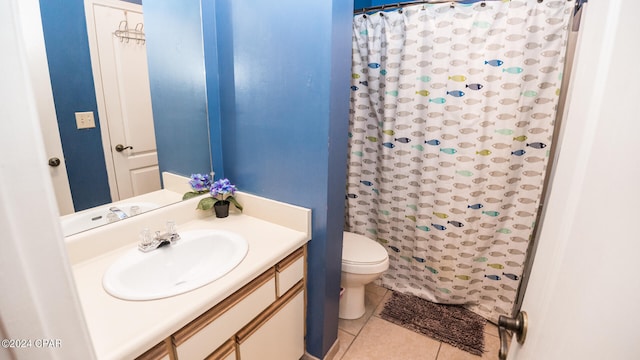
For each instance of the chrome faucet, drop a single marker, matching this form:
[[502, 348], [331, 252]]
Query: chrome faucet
[[149, 243], [119, 213]]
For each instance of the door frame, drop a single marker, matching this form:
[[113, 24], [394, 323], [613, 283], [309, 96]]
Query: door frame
[[570, 53], [43, 303], [583, 291], [97, 79]]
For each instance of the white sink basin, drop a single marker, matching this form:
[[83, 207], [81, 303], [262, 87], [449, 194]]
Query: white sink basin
[[198, 258]]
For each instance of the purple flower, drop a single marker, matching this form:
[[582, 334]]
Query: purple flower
[[222, 188], [200, 183]]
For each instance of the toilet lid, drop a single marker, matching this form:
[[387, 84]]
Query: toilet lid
[[359, 249]]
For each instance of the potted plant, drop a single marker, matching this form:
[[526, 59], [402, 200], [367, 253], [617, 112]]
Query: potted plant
[[222, 194]]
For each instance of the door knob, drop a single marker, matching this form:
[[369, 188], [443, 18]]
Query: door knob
[[54, 161], [120, 147], [517, 325]]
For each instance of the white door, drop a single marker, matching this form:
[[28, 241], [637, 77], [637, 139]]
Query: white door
[[53, 145], [124, 100], [41, 85], [583, 298], [53, 150]]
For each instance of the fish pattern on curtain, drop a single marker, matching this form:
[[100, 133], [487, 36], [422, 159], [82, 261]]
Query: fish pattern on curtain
[[451, 121]]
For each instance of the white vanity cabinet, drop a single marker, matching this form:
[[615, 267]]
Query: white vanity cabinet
[[204, 335], [263, 320], [279, 333]]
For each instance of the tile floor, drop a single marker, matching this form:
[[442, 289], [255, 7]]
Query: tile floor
[[373, 338]]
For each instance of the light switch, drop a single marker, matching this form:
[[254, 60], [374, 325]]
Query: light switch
[[85, 120]]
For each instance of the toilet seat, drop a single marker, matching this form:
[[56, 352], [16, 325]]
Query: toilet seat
[[361, 255]]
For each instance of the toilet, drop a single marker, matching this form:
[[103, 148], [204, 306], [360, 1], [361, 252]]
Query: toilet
[[363, 261]]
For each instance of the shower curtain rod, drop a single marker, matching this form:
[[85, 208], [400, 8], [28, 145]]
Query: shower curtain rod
[[407, 3], [579, 4]]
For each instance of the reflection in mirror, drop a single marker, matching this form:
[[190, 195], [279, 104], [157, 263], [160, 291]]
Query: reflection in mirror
[[98, 216], [119, 60], [175, 94], [109, 213]]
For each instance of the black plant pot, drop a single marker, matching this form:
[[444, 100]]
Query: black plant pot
[[221, 208]]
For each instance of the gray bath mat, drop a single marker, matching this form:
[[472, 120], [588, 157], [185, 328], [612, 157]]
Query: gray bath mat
[[451, 324]]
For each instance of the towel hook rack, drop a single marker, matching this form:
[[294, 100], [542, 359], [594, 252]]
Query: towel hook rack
[[125, 34]]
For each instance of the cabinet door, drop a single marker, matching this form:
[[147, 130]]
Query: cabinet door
[[279, 335], [205, 334], [289, 271], [225, 352]]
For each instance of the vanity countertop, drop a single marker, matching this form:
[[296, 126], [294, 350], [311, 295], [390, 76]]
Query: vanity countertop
[[122, 329]]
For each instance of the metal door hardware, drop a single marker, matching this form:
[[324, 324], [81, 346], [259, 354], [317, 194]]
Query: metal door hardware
[[120, 147], [517, 325], [54, 162]]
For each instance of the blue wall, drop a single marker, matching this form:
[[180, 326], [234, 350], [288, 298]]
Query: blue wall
[[65, 35], [178, 85], [284, 89], [360, 4]]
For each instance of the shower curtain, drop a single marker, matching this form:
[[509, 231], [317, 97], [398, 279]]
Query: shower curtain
[[451, 121]]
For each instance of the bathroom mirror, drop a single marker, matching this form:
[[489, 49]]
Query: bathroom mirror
[[178, 101]]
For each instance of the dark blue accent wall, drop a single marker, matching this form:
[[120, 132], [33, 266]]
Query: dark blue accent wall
[[67, 45], [361, 4], [339, 93], [178, 85], [284, 79]]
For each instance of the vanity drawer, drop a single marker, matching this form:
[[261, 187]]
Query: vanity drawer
[[201, 337], [289, 271], [278, 333], [225, 352]]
